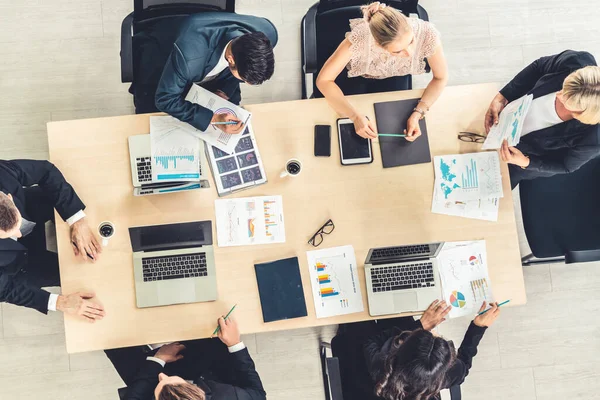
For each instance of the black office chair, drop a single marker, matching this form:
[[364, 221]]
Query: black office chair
[[561, 216], [147, 36], [322, 30]]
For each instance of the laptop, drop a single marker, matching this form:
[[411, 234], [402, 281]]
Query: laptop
[[141, 171], [402, 278], [173, 264]]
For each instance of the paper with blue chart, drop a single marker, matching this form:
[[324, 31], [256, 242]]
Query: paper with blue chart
[[465, 278], [510, 124], [175, 153], [334, 279]]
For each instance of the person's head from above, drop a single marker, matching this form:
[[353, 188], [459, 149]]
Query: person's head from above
[[390, 29], [10, 217], [251, 58], [416, 366], [176, 388], [580, 94]]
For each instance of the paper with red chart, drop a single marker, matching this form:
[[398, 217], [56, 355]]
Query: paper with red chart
[[464, 275]]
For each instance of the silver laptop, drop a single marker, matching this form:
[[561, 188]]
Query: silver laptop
[[173, 264], [141, 171], [402, 278]]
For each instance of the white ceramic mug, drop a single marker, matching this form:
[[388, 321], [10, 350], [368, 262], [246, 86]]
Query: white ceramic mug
[[106, 230], [293, 167]]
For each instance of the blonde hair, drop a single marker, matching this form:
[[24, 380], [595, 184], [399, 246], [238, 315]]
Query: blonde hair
[[386, 23], [581, 91]]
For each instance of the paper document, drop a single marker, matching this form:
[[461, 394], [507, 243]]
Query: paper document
[[510, 124], [484, 209], [334, 278], [464, 275], [250, 220], [464, 177], [213, 135], [241, 169], [175, 153]]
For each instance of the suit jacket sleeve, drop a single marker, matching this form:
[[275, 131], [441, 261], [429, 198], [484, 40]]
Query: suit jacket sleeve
[[246, 377], [18, 292], [49, 178], [173, 86], [575, 158], [143, 385], [464, 360]]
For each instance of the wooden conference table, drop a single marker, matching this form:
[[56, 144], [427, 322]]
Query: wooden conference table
[[370, 206]]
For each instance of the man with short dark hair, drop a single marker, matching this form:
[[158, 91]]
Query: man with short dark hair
[[194, 370], [217, 51], [30, 190]]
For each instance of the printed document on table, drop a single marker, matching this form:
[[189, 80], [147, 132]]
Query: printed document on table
[[484, 209], [334, 279], [175, 153], [510, 124], [250, 220], [472, 176], [213, 135], [465, 278]]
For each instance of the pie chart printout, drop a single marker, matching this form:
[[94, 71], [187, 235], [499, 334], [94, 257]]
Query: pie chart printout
[[457, 299]]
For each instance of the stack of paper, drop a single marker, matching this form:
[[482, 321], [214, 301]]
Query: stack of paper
[[510, 124], [467, 185], [464, 275]]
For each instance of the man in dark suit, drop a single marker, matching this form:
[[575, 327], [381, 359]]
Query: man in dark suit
[[219, 370], [30, 190], [561, 130], [217, 51]]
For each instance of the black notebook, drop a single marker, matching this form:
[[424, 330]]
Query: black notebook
[[391, 117], [280, 289]]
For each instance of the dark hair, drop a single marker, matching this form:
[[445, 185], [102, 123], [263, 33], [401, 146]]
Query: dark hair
[[9, 215], [416, 366], [253, 57], [183, 391]]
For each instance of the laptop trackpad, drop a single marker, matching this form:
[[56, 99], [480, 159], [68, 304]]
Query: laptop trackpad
[[406, 301], [177, 291]]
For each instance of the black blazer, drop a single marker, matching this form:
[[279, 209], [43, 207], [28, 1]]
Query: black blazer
[[14, 176], [564, 147], [378, 346], [248, 384], [196, 52]]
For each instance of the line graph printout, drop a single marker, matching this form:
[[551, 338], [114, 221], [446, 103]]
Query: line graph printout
[[250, 220], [464, 275], [334, 279], [510, 124], [175, 153], [464, 177]]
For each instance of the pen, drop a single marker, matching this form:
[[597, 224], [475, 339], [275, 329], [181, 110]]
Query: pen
[[225, 318], [501, 304], [392, 134], [226, 123]]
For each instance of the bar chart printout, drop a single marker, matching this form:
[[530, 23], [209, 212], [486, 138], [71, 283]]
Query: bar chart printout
[[334, 278]]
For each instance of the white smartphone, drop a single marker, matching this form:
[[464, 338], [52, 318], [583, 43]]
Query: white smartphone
[[353, 148]]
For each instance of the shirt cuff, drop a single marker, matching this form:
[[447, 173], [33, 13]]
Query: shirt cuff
[[156, 360], [52, 302], [236, 347], [75, 217]]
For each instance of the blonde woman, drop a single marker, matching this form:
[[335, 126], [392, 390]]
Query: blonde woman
[[381, 45], [561, 130]]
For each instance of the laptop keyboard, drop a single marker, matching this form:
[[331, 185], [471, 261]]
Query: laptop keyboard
[[144, 169], [174, 267], [400, 251], [399, 277]]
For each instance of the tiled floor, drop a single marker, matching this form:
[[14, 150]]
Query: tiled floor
[[59, 60]]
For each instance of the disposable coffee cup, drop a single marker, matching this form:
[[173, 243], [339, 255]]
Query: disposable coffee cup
[[292, 168], [106, 230]]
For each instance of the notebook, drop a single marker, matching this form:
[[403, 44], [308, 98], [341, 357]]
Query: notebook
[[391, 117], [280, 289]]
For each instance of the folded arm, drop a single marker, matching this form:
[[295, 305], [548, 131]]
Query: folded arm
[[16, 291]]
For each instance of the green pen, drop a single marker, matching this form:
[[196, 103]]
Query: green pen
[[392, 134], [501, 304], [225, 318]]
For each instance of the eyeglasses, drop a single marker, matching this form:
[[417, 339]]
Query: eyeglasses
[[326, 229], [471, 137]]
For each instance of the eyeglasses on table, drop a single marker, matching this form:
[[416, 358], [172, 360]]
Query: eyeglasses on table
[[326, 229], [471, 137]]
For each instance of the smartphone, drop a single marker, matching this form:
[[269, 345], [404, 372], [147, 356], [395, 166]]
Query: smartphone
[[353, 148], [322, 140]]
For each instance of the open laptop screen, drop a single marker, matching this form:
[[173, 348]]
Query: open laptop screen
[[171, 236]]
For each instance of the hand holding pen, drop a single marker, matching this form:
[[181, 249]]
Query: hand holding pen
[[228, 123], [486, 318]]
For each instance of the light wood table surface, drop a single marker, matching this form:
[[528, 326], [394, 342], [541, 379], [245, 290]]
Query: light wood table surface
[[370, 206]]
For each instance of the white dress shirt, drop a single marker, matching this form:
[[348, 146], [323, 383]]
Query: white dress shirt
[[541, 115], [220, 67], [232, 349]]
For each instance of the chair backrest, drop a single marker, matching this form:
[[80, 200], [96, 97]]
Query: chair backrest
[[145, 9]]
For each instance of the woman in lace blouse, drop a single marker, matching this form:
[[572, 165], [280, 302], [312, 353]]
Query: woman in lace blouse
[[381, 45]]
